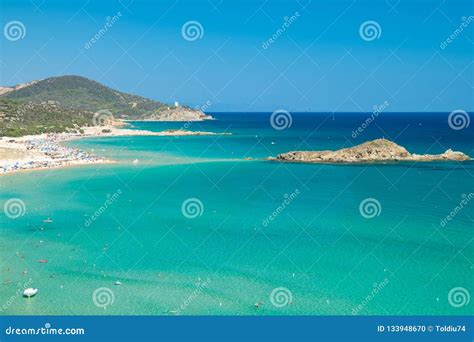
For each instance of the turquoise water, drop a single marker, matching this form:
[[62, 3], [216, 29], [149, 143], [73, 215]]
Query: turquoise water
[[319, 247]]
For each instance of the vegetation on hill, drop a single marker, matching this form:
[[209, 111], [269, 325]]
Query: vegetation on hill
[[59, 104], [80, 93], [25, 118]]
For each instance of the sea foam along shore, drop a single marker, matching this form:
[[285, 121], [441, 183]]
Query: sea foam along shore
[[46, 151]]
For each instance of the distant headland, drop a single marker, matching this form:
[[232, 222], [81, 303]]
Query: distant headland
[[67, 103]]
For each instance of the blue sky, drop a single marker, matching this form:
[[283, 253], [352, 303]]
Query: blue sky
[[319, 62]]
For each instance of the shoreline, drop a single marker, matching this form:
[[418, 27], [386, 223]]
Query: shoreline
[[61, 166], [167, 120], [46, 151]]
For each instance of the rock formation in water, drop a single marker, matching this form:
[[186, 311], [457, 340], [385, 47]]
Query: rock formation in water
[[379, 150]]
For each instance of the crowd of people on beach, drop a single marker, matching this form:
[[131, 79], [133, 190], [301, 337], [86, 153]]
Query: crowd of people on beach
[[46, 150], [52, 154]]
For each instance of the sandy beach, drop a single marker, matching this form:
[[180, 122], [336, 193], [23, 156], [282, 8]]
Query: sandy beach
[[45, 151]]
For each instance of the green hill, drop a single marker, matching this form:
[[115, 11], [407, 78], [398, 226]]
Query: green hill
[[59, 104], [80, 93], [20, 118]]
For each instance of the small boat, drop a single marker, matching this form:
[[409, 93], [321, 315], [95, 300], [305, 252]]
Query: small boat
[[118, 283], [135, 161], [48, 220], [30, 292], [42, 261]]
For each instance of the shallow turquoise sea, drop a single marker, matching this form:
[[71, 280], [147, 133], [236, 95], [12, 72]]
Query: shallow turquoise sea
[[290, 237]]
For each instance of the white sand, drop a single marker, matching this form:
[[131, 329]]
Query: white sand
[[45, 151]]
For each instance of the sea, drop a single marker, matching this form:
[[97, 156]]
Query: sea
[[206, 225]]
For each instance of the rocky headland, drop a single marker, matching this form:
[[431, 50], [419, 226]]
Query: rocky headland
[[178, 113]]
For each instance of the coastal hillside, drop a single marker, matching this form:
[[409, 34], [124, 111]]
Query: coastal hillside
[[80, 93], [24, 118]]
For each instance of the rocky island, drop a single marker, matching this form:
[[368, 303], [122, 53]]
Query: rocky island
[[379, 150]]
